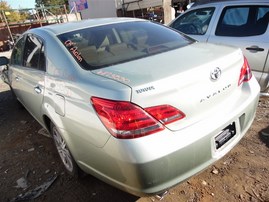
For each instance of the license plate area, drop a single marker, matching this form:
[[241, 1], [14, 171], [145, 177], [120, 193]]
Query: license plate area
[[225, 135]]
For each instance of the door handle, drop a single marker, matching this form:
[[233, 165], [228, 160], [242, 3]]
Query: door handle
[[38, 90], [255, 48], [17, 78]]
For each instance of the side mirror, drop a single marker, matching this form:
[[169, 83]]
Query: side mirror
[[3, 64], [4, 60]]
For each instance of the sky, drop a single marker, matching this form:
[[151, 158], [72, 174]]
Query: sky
[[15, 4]]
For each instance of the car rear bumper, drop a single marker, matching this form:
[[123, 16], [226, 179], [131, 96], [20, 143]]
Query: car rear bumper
[[263, 80], [154, 163]]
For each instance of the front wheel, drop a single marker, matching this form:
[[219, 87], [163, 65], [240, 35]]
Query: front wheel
[[64, 152]]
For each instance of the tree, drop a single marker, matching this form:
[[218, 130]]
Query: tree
[[11, 15], [50, 2], [50, 5], [4, 5]]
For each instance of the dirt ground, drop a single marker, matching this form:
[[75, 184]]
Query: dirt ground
[[28, 160]]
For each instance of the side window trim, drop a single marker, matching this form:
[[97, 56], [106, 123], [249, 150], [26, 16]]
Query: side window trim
[[36, 54], [13, 59]]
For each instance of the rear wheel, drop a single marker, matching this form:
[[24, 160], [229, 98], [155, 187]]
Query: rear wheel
[[64, 152]]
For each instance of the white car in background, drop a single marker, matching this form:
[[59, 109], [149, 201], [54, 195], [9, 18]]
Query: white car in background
[[240, 23]]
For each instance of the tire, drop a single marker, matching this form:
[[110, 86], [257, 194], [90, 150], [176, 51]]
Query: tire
[[64, 152]]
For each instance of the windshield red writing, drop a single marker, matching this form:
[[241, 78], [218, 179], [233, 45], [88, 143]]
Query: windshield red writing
[[73, 49]]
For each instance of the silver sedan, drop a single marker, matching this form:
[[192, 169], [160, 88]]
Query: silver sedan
[[134, 103]]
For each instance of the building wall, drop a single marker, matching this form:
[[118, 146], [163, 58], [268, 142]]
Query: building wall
[[109, 8], [138, 4], [99, 9], [169, 13], [131, 5]]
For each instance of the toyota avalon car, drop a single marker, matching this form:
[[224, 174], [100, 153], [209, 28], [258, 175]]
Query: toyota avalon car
[[134, 103]]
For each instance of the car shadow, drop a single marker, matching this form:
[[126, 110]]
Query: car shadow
[[264, 136], [23, 146], [100, 191]]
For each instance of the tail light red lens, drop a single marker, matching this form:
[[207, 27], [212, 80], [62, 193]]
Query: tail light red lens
[[165, 113], [245, 74], [126, 120]]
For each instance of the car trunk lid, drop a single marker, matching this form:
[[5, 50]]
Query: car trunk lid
[[197, 80]]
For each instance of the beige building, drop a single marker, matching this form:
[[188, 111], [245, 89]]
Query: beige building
[[114, 8], [99, 9]]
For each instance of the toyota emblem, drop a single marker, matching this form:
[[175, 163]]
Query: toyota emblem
[[215, 73]]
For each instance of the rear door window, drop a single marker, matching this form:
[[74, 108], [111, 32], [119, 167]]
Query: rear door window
[[34, 53], [240, 21]]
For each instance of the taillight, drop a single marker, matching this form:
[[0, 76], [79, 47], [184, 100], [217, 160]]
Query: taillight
[[245, 74], [126, 120], [165, 113]]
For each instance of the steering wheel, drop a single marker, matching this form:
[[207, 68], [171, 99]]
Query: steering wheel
[[192, 29], [132, 45]]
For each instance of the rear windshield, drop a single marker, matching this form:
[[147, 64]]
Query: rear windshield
[[106, 45]]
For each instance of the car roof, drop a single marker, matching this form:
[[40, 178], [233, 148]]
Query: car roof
[[205, 2], [75, 25]]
